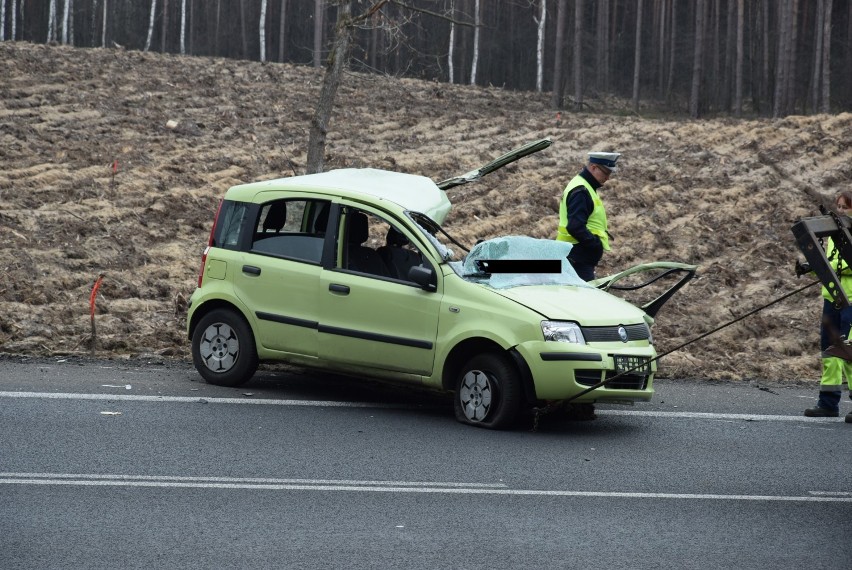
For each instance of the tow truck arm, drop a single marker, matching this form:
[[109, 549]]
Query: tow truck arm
[[809, 232]]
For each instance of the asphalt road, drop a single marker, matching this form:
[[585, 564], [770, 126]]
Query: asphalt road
[[142, 465]]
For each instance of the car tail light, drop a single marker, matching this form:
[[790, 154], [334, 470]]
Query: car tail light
[[209, 244]]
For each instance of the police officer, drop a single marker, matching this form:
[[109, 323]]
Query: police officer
[[582, 217], [835, 323]]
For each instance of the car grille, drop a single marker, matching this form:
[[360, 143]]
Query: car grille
[[624, 382], [610, 334]]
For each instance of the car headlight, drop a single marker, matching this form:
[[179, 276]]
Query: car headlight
[[562, 331]]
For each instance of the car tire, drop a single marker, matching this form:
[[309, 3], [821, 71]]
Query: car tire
[[488, 392], [223, 348]]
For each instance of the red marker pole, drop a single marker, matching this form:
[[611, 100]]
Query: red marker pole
[[92, 299]]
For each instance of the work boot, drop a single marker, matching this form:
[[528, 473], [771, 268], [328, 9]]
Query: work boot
[[819, 412]]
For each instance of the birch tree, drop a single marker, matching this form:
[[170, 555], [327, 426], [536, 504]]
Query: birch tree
[[104, 24], [2, 20], [477, 15], [65, 17], [262, 30], [51, 22], [539, 50], [151, 25], [183, 27], [452, 44]]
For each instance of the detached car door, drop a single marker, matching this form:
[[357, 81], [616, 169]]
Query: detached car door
[[371, 313], [280, 273]]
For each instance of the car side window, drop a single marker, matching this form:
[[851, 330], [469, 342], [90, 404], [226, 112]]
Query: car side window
[[227, 233], [375, 246], [292, 229]]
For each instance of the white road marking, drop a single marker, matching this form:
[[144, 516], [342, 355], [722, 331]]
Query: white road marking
[[200, 399], [337, 404], [377, 486]]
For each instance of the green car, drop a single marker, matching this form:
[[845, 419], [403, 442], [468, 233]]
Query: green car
[[350, 271]]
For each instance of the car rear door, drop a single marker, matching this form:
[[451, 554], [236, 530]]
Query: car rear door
[[280, 274]]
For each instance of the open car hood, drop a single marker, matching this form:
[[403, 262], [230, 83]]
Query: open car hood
[[662, 269], [525, 269]]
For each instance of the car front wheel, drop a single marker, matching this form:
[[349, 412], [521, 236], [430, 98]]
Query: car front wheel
[[223, 348], [488, 392]]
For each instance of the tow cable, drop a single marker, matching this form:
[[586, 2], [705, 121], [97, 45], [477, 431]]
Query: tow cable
[[558, 404]]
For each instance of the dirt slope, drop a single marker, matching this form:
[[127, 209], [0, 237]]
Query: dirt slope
[[719, 193]]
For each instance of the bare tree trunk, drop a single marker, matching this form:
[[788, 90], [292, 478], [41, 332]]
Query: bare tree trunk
[[578, 54], [14, 19], [216, 34], [825, 107], [791, 49], [165, 26], [452, 42], [2, 20], [243, 32], [262, 30], [556, 94], [183, 27], [104, 24], [603, 47], [539, 50], [151, 25], [661, 47], [51, 22], [782, 66], [65, 17], [282, 27], [318, 26], [330, 84], [637, 58], [478, 22], [672, 52], [814, 98], [738, 95], [698, 61]]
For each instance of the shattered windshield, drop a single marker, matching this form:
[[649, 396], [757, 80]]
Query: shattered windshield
[[504, 262], [516, 261]]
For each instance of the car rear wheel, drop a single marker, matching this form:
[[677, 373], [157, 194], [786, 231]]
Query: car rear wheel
[[488, 392], [223, 348]]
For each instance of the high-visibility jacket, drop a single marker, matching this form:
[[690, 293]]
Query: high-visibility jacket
[[845, 274], [597, 219]]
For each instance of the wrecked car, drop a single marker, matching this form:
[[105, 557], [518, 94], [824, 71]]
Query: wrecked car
[[351, 271]]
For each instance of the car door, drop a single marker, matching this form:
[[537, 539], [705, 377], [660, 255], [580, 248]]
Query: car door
[[369, 315], [279, 276]]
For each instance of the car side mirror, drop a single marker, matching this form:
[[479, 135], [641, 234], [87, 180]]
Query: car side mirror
[[424, 277]]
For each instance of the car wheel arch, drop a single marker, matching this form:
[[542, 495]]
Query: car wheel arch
[[462, 352], [212, 305]]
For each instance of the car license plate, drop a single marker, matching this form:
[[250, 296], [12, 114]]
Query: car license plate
[[632, 364]]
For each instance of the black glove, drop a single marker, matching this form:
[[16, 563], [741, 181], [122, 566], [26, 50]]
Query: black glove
[[802, 268]]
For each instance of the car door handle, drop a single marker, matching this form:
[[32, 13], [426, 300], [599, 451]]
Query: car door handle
[[335, 288], [251, 269]]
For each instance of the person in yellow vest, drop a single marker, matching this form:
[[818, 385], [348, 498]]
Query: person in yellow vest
[[835, 324], [582, 217]]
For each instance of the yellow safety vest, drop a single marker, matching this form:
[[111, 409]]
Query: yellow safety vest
[[845, 275], [597, 219]]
